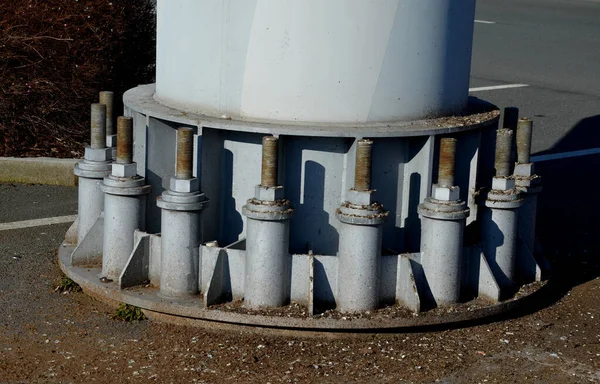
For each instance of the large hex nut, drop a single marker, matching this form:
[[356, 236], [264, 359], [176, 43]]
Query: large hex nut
[[362, 198], [503, 183], [445, 193], [111, 141], [184, 185], [99, 154], [524, 170], [268, 193], [124, 170]]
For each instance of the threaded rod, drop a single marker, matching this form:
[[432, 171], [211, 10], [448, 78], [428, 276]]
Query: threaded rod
[[447, 162], [504, 139], [98, 126], [185, 153], [124, 140], [362, 170], [270, 151], [108, 98], [524, 133]]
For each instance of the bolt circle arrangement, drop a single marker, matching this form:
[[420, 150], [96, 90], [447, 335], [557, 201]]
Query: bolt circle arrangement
[[255, 185], [192, 274]]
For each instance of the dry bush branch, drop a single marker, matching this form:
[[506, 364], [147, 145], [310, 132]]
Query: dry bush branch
[[55, 55]]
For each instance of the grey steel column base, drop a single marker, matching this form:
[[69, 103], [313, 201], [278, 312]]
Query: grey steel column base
[[316, 166], [191, 310]]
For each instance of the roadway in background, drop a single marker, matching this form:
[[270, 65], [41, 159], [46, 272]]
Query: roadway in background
[[553, 46]]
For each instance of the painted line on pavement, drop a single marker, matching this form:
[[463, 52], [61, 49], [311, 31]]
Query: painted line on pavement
[[37, 222], [496, 87], [565, 155], [485, 22]]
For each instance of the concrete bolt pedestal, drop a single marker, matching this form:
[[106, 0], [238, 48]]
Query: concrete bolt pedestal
[[181, 206], [443, 217], [499, 227], [360, 239], [95, 165], [124, 205], [268, 262], [529, 185]]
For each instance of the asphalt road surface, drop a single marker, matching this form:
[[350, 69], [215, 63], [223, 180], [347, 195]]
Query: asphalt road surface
[[553, 47]]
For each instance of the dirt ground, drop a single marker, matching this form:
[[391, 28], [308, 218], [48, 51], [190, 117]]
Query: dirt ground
[[51, 337]]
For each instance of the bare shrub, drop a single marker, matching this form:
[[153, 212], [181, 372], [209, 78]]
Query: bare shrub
[[55, 55]]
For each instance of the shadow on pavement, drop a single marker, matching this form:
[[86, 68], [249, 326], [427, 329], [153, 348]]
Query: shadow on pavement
[[568, 221], [568, 208]]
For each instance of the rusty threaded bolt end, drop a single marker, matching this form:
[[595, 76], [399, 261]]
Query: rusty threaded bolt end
[[98, 126], [511, 116], [504, 139], [108, 98], [362, 170], [524, 133], [270, 151], [124, 140], [447, 162], [185, 153]]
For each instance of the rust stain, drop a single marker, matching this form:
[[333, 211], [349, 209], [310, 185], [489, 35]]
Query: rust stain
[[362, 171], [185, 153], [124, 140], [447, 162], [270, 149]]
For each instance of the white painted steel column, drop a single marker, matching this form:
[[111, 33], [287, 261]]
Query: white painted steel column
[[327, 61]]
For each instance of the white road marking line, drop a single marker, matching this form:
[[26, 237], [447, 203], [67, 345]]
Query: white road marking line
[[485, 22], [565, 155], [37, 222], [496, 87]]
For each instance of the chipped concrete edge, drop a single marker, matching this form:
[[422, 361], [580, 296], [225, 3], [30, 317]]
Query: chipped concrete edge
[[38, 170]]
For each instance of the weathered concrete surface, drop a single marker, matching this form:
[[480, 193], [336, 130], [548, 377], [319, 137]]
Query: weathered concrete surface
[[38, 170]]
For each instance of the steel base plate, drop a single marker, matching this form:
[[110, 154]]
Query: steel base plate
[[191, 311]]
